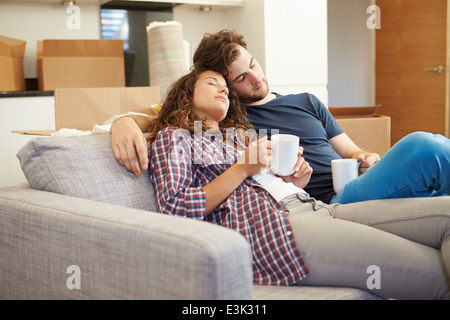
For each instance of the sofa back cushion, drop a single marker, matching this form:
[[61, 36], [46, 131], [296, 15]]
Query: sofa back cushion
[[84, 167]]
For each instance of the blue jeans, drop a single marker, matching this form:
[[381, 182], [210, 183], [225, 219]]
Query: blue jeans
[[416, 166]]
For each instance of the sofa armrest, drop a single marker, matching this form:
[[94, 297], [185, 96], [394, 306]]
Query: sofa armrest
[[121, 253]]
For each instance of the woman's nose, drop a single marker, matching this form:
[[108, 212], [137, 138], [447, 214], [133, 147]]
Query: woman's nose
[[223, 90]]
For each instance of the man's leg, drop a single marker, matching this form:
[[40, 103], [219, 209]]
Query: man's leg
[[422, 220], [349, 254], [417, 166]]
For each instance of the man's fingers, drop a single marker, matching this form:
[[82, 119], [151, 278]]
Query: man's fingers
[[123, 159], [142, 152], [116, 151], [131, 162], [129, 144], [369, 162]]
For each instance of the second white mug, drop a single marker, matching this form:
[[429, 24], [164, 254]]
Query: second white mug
[[343, 171]]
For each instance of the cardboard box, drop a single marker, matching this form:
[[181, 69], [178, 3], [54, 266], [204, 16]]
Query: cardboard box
[[372, 134], [80, 64], [82, 108], [12, 76]]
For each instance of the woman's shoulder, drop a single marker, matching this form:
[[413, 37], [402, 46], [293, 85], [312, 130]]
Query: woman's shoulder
[[168, 131], [167, 134]]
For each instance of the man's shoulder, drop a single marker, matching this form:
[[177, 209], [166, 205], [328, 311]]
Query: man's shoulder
[[301, 100], [301, 95]]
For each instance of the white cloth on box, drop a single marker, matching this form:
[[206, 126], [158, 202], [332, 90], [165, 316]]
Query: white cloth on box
[[97, 128], [66, 132], [166, 54]]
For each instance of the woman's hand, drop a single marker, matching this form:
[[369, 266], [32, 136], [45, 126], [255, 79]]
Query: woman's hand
[[256, 157], [302, 172]]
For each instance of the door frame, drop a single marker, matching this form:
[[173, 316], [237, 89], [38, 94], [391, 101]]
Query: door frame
[[447, 69]]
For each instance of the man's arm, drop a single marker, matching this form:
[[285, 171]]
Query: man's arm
[[127, 140], [347, 149]]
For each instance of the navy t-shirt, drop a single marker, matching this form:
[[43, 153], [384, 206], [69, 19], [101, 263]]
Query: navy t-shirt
[[305, 116]]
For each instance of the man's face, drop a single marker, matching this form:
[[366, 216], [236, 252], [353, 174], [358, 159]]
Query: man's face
[[247, 78]]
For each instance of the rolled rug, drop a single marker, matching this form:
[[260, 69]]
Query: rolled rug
[[166, 54]]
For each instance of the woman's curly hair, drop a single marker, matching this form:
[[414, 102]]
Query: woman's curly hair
[[177, 110]]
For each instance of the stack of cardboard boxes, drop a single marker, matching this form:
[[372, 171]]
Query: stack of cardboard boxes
[[12, 52], [369, 130], [80, 64], [87, 77], [64, 64]]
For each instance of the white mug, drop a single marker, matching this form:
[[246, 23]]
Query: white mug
[[284, 153], [343, 171]]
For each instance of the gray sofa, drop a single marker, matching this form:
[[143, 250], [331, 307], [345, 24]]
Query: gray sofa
[[85, 228]]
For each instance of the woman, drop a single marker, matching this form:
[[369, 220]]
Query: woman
[[204, 166]]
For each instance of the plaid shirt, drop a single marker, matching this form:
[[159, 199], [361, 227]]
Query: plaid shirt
[[180, 164]]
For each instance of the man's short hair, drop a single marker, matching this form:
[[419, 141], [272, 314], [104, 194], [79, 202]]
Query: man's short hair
[[217, 51]]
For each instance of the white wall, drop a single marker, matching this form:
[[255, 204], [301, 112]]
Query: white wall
[[247, 20], [296, 46], [31, 113], [351, 61], [37, 21], [250, 21], [196, 23]]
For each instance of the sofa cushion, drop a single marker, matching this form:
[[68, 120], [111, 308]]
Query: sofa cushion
[[84, 167]]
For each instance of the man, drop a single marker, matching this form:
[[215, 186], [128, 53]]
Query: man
[[302, 115]]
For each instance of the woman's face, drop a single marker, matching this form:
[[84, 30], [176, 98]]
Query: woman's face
[[210, 100]]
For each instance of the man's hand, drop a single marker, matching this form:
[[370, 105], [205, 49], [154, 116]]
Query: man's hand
[[347, 149], [129, 144], [367, 160], [302, 172]]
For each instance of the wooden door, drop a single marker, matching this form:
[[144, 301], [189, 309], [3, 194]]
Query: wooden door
[[411, 65]]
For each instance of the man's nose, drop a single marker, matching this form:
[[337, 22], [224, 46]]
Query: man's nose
[[255, 78]]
